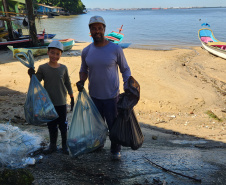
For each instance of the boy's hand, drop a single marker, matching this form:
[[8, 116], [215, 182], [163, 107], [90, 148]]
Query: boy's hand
[[80, 85], [72, 103], [31, 71]]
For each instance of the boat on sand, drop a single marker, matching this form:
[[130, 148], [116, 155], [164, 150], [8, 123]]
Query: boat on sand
[[42, 50], [115, 37], [211, 44]]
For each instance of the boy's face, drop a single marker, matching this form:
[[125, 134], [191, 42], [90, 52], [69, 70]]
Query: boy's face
[[54, 54]]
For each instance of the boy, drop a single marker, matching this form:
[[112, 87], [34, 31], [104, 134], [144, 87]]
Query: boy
[[56, 83]]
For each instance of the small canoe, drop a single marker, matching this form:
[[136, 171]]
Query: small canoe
[[42, 50], [49, 36], [22, 40], [63, 41], [115, 37], [46, 35], [211, 44]]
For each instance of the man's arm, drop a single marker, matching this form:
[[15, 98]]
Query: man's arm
[[124, 67], [83, 76], [80, 84]]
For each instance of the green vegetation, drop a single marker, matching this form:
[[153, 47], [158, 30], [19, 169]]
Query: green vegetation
[[72, 6], [16, 177], [212, 115]]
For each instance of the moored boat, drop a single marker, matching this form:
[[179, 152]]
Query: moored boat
[[42, 50], [20, 41], [115, 37], [211, 44], [63, 41]]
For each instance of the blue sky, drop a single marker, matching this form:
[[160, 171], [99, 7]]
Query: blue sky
[[151, 3]]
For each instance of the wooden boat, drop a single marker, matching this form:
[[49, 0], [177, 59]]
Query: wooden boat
[[3, 32], [42, 50], [49, 36], [20, 41], [115, 37], [211, 44], [46, 35], [63, 41]]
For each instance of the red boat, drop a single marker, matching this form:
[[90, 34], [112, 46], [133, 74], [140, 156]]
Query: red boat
[[22, 41]]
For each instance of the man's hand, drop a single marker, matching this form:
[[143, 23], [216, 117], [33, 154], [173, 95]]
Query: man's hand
[[31, 72], [80, 85], [72, 103], [128, 93]]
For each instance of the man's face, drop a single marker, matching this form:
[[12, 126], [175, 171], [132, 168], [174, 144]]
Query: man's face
[[54, 55], [97, 32]]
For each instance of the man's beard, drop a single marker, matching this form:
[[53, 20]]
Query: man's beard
[[98, 39]]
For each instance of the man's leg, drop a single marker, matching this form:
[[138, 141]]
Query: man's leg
[[110, 114], [108, 111]]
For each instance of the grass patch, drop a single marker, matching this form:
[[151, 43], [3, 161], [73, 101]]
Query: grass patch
[[212, 115]]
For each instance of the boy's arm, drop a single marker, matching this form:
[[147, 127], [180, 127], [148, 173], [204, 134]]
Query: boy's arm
[[39, 73], [68, 83], [31, 72], [69, 88]]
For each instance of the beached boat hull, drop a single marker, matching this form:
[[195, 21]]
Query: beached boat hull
[[115, 37], [211, 44], [22, 41], [46, 36], [65, 42], [42, 50], [215, 50]]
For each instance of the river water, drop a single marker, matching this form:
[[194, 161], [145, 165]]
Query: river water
[[143, 28]]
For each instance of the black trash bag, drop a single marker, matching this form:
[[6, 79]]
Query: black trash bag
[[131, 96], [126, 130]]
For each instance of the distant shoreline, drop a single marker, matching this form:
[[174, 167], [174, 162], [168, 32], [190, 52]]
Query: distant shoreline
[[158, 8]]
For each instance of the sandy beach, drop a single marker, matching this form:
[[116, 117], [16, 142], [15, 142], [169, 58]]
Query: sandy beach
[[178, 87]]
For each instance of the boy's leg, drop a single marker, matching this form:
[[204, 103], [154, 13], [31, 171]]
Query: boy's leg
[[53, 133], [63, 126]]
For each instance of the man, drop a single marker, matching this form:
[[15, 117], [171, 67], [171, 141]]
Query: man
[[100, 62]]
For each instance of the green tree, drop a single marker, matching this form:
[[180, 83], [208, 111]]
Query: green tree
[[72, 6]]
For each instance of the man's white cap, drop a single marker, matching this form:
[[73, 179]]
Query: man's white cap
[[96, 19], [56, 44]]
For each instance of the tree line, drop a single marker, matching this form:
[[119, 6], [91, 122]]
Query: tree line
[[71, 6]]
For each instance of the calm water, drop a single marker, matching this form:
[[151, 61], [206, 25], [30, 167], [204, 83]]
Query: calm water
[[143, 28]]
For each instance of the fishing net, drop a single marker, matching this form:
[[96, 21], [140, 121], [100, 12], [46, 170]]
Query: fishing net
[[15, 145]]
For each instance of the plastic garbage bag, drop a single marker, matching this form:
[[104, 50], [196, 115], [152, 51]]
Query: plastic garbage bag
[[126, 129], [87, 131], [38, 107]]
